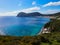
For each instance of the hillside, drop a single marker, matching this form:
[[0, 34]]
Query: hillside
[[35, 14], [55, 14]]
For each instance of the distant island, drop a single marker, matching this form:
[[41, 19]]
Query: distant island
[[35, 14]]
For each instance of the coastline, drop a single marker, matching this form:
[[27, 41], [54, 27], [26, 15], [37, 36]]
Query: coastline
[[43, 30], [40, 32]]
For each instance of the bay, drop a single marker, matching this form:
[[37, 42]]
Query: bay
[[21, 26]]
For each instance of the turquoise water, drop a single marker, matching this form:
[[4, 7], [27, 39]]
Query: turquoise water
[[21, 26]]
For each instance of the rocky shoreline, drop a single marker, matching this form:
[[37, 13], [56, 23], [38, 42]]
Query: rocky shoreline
[[44, 29]]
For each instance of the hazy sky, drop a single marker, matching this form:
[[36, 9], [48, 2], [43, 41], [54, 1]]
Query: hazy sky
[[13, 7]]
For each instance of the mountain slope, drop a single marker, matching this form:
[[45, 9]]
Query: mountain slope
[[22, 14]]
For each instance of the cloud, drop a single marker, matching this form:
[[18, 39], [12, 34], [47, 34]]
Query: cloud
[[33, 3], [52, 4], [19, 4], [14, 13], [51, 11], [28, 10]]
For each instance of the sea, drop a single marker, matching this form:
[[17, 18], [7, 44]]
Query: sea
[[21, 26]]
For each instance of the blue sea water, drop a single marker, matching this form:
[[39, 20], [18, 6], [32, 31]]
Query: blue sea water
[[21, 26]]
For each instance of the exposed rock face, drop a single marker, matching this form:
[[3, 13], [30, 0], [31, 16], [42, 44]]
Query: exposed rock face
[[22, 14]]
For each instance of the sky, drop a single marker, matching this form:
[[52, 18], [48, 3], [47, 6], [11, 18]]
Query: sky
[[13, 7]]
